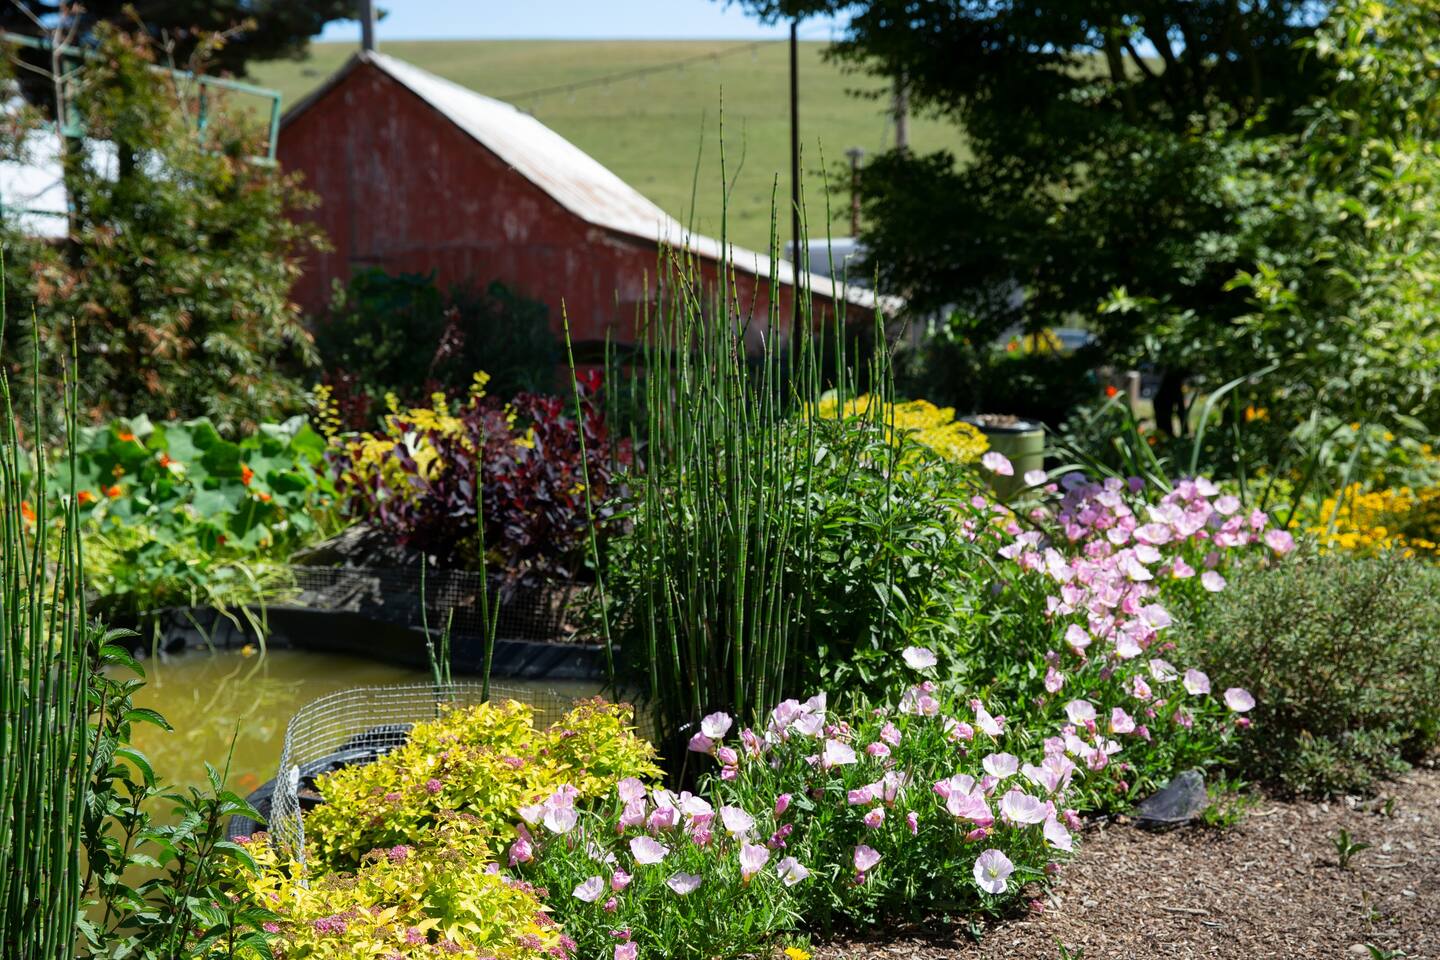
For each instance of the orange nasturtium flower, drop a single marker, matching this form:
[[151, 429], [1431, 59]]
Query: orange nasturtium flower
[[1111, 390], [246, 474], [126, 436], [27, 511], [164, 459], [113, 491], [85, 496], [264, 497]]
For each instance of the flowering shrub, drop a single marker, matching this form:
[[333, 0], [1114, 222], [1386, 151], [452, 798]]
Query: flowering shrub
[[439, 897], [487, 761], [419, 475], [920, 420]]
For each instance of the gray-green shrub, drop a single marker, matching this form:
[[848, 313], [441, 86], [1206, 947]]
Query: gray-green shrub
[[1343, 653]]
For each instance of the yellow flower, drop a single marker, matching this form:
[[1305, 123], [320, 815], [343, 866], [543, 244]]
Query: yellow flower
[[795, 953], [932, 426]]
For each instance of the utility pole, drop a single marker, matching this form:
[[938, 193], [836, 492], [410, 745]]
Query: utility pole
[[902, 113], [367, 25], [855, 154], [796, 256]]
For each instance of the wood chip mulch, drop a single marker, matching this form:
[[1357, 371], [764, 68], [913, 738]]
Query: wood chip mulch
[[1269, 887]]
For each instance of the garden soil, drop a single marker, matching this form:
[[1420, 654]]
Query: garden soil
[[1269, 887]]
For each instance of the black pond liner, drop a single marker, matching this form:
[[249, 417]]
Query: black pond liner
[[293, 627], [363, 748]]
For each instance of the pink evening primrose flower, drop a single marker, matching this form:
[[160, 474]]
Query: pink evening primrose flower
[[699, 743], [1034, 478], [630, 790], [716, 725], [912, 823], [836, 754], [1212, 581], [918, 658], [992, 869], [1057, 836], [1121, 722], [627, 951], [590, 890], [752, 858], [890, 734], [998, 464], [1080, 711], [1001, 765], [1054, 680], [561, 819], [647, 851], [1196, 683], [874, 818], [619, 880], [865, 858], [737, 822], [1280, 541], [782, 803], [1076, 637], [1239, 699], [1019, 807], [990, 726], [683, 883], [791, 871]]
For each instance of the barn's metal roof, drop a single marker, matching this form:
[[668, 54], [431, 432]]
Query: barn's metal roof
[[576, 180]]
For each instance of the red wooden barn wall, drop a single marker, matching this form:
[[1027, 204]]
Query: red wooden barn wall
[[401, 187]]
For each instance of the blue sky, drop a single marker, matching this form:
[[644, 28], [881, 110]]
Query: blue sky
[[568, 19]]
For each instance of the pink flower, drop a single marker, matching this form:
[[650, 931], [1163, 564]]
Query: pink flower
[[627, 951], [992, 869], [1001, 765], [918, 658], [865, 858], [990, 726], [1080, 711], [716, 725], [998, 464], [683, 883], [522, 851], [890, 734], [912, 822], [1212, 581], [590, 890], [630, 790], [611, 905], [782, 803], [1162, 671], [699, 743], [433, 786], [1121, 722], [727, 756], [874, 818], [1239, 699], [1076, 637], [619, 880], [1053, 680], [752, 858], [647, 851], [737, 822], [878, 750], [1034, 478], [1057, 836], [1280, 541], [1019, 807], [836, 754], [791, 871], [1196, 683], [561, 819]]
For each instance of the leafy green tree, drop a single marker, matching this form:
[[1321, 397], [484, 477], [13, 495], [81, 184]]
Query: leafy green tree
[[176, 271], [256, 29]]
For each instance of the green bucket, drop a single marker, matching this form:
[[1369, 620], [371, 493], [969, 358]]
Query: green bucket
[[1021, 441]]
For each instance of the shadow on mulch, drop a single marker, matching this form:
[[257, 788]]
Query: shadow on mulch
[[1269, 887]]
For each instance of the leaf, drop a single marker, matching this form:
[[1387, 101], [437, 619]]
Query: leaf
[[146, 715]]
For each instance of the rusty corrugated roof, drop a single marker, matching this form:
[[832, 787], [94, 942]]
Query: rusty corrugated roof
[[576, 180]]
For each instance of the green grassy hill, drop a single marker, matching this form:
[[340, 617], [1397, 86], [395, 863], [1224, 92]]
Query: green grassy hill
[[651, 130]]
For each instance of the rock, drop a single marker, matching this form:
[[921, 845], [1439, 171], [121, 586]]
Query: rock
[[1179, 801]]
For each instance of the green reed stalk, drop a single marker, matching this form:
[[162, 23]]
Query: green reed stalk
[[45, 750]]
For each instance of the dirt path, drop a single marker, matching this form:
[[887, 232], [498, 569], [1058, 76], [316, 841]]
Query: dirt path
[[1270, 887]]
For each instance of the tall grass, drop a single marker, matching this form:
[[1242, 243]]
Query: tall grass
[[44, 672], [720, 519]]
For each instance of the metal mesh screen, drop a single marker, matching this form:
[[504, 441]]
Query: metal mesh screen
[[362, 723], [544, 611]]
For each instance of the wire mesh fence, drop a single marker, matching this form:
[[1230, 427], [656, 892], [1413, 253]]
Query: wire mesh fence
[[361, 724], [544, 611]]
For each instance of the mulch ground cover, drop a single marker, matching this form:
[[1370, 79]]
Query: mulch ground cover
[[1269, 887]]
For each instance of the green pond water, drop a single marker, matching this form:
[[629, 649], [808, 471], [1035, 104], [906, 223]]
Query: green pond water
[[214, 698]]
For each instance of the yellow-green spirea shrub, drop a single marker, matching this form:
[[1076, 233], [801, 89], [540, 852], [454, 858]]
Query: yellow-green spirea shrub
[[486, 761], [443, 898]]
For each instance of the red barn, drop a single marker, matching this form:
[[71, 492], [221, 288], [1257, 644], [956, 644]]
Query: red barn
[[416, 173]]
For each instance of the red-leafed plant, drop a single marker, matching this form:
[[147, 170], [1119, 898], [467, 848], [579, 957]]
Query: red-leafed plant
[[418, 478]]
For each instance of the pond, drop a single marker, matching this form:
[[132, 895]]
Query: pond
[[246, 697]]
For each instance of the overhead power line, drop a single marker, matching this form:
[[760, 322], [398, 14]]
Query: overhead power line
[[639, 71]]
